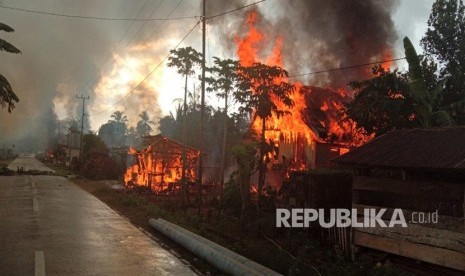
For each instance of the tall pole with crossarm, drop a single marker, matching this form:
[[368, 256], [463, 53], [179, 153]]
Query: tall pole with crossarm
[[202, 111], [82, 121]]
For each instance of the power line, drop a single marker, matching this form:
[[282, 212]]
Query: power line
[[159, 26], [155, 31], [93, 80], [148, 76], [140, 29], [95, 17], [234, 10], [346, 67]]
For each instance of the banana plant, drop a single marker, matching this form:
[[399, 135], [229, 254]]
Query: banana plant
[[425, 102]]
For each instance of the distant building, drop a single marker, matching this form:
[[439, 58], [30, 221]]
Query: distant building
[[69, 146]]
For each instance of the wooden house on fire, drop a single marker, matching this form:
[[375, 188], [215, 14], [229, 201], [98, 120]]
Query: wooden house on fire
[[310, 135], [422, 172], [159, 165]]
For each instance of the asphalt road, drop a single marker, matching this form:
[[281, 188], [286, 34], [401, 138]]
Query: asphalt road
[[49, 226], [28, 163]]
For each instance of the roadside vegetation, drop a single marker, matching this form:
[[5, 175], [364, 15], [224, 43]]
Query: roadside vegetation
[[290, 253]]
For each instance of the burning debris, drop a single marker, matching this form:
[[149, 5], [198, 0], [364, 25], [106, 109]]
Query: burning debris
[[159, 165]]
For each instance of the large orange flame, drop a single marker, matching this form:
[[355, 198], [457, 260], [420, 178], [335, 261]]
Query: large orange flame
[[159, 166], [291, 133]]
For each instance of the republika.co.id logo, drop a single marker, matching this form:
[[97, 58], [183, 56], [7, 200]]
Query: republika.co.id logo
[[301, 218]]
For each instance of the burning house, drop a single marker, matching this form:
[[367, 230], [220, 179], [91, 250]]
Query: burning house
[[314, 130], [159, 165]]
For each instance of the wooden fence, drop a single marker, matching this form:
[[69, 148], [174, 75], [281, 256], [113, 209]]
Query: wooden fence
[[441, 243]]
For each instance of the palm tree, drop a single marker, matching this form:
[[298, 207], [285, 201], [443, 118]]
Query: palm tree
[[185, 59], [118, 128], [7, 96], [118, 117], [144, 126], [260, 88], [169, 125]]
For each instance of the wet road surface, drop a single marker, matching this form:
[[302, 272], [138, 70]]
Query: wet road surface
[[49, 226], [28, 163]]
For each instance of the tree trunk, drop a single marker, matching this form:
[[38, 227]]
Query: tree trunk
[[223, 158], [261, 164], [244, 186], [184, 157]]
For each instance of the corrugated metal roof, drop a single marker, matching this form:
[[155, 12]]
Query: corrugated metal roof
[[440, 148]]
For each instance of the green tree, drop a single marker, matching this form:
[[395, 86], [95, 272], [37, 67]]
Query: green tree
[[425, 101], [260, 87], [113, 133], [7, 96], [392, 100], [93, 144], [244, 154], [171, 124], [119, 117], [185, 60], [144, 126], [223, 82], [445, 42], [382, 103]]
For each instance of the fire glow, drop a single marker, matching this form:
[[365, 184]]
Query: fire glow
[[159, 165], [291, 133]]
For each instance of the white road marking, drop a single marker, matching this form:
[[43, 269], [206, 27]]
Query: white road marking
[[35, 203], [39, 263]]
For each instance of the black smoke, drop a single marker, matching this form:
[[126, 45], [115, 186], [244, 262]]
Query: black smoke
[[317, 34]]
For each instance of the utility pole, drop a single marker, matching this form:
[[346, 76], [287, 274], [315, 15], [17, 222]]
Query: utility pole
[[82, 121], [202, 111]]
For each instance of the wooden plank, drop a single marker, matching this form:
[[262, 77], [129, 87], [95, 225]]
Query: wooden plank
[[449, 223], [421, 189], [420, 234], [449, 207], [425, 253]]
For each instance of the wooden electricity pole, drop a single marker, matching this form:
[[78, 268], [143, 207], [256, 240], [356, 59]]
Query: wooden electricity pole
[[202, 111], [82, 121]]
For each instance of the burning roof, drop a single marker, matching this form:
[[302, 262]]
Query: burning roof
[[324, 114], [160, 164]]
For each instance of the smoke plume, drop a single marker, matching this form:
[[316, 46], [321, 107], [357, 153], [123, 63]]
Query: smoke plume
[[63, 57], [319, 34]]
